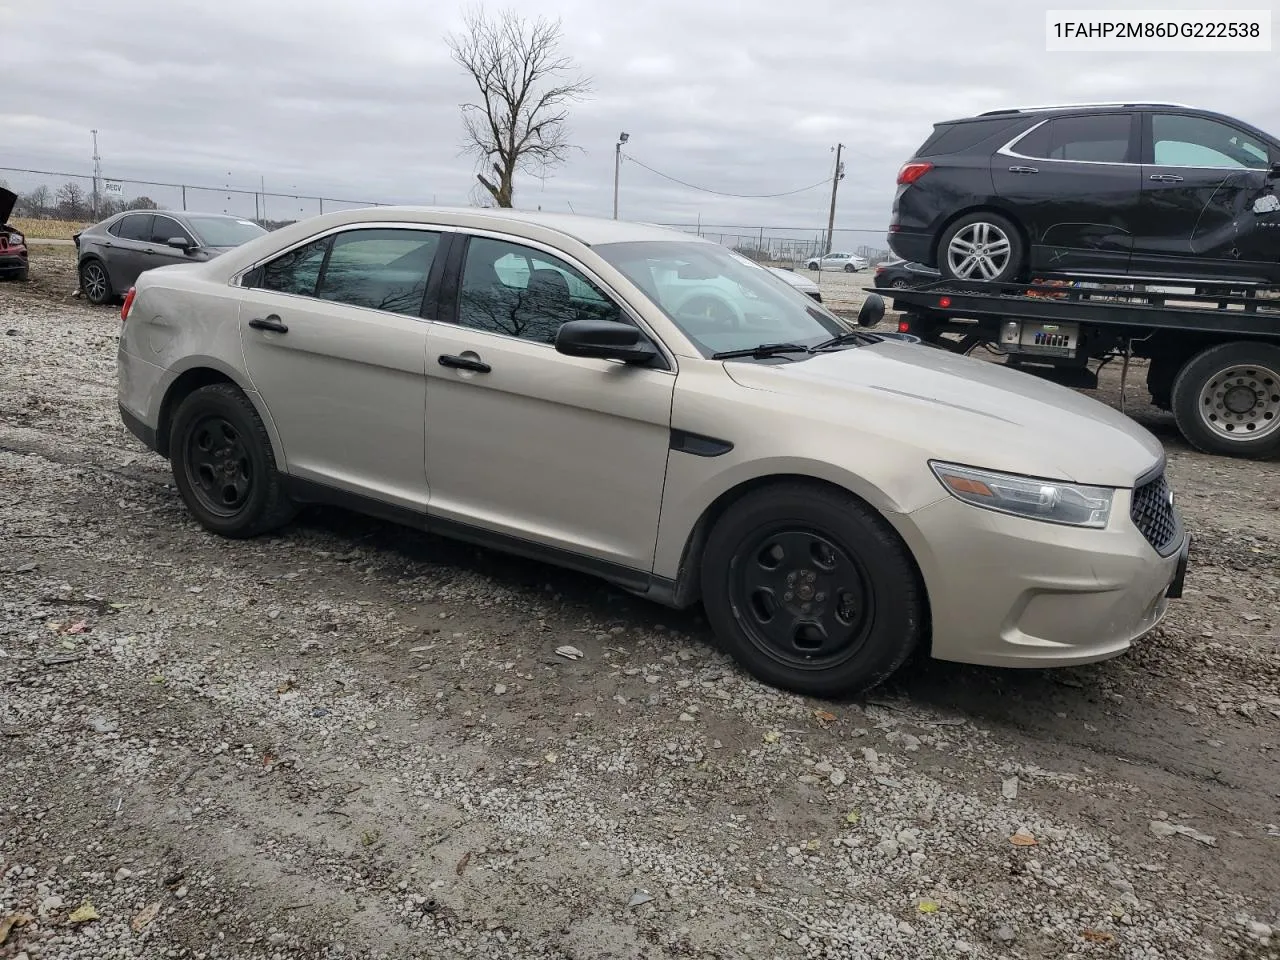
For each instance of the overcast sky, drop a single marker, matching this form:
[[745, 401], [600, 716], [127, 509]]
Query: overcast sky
[[360, 100]]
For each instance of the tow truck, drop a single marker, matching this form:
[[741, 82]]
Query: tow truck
[[1213, 351]]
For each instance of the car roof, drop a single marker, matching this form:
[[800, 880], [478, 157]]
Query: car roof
[[179, 214], [589, 231], [585, 229], [1063, 109]]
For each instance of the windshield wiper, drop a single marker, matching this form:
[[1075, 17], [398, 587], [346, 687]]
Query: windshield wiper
[[853, 336], [761, 350]]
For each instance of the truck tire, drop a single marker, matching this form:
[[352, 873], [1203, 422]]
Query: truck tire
[[1226, 400]]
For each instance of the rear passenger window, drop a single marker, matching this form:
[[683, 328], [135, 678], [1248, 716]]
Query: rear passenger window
[[136, 227], [297, 271], [380, 269], [1102, 138]]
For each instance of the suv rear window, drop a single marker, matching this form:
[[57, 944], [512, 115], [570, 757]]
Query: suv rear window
[[963, 135], [1100, 138]]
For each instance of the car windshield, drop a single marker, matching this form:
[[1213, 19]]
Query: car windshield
[[224, 231], [718, 301]]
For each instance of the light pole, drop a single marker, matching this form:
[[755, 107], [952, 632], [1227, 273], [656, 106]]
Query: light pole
[[617, 168]]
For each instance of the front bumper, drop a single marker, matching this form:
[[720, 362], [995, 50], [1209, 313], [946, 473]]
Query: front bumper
[[1010, 592], [13, 262]]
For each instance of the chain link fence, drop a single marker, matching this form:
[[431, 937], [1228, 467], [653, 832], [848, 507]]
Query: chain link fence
[[66, 199], [80, 198]]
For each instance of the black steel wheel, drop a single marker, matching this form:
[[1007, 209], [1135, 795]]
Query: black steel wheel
[[218, 465], [223, 464], [95, 283], [800, 597], [811, 590]]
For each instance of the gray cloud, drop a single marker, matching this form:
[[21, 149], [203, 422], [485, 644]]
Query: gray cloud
[[361, 100]]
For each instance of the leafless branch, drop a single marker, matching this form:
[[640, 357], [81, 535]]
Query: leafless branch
[[525, 86]]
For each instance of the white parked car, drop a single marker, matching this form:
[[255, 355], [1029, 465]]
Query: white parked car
[[803, 284], [638, 404], [848, 262]]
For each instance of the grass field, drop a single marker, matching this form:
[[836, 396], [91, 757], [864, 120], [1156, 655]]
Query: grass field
[[48, 229]]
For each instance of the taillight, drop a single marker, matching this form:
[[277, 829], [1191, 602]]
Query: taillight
[[128, 304], [944, 302], [904, 326], [911, 172]]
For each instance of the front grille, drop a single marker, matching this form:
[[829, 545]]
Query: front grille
[[1153, 513]]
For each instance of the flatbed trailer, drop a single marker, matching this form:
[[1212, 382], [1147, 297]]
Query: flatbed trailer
[[1213, 351]]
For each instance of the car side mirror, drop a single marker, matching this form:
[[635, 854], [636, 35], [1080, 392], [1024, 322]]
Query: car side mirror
[[872, 311], [604, 340], [1274, 172], [181, 243]]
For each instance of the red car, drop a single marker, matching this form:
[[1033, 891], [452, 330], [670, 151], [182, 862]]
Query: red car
[[13, 245]]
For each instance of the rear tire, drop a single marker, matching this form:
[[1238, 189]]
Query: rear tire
[[1226, 400], [812, 591], [981, 246], [223, 464], [95, 282], [850, 268]]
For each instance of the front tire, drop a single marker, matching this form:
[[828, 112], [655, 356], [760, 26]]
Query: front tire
[[1226, 400], [981, 246], [813, 265], [95, 282], [811, 591], [223, 464]]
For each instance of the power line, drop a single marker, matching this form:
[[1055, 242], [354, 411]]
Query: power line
[[718, 193]]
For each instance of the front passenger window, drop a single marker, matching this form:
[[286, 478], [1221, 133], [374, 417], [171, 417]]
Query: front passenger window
[[522, 292]]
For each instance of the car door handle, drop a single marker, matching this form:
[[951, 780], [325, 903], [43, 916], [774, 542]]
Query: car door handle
[[463, 363], [1166, 177], [1023, 170], [271, 322]]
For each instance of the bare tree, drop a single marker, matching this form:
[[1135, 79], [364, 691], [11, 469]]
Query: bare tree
[[35, 203], [525, 86], [70, 200]]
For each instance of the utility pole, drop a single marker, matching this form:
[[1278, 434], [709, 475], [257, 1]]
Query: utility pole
[[262, 182], [617, 168], [97, 172], [835, 182]]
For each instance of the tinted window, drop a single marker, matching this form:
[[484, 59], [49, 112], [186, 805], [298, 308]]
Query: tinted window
[[380, 269], [297, 271], [1182, 141], [522, 292], [162, 228], [225, 231], [955, 137], [135, 227], [1102, 138]]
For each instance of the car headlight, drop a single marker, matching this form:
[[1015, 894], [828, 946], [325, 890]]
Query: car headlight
[[1052, 501], [17, 239]]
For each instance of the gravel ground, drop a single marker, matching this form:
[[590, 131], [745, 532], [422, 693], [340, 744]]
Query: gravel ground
[[350, 740]]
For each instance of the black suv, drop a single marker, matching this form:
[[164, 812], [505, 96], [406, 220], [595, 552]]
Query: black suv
[[1145, 190]]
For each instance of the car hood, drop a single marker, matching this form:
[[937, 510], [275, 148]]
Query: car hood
[[968, 411], [7, 201]]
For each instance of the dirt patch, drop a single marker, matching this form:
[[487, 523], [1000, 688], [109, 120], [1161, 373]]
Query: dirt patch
[[350, 740]]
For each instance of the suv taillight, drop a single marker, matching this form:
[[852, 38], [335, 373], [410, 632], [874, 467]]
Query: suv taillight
[[913, 171], [128, 304]]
